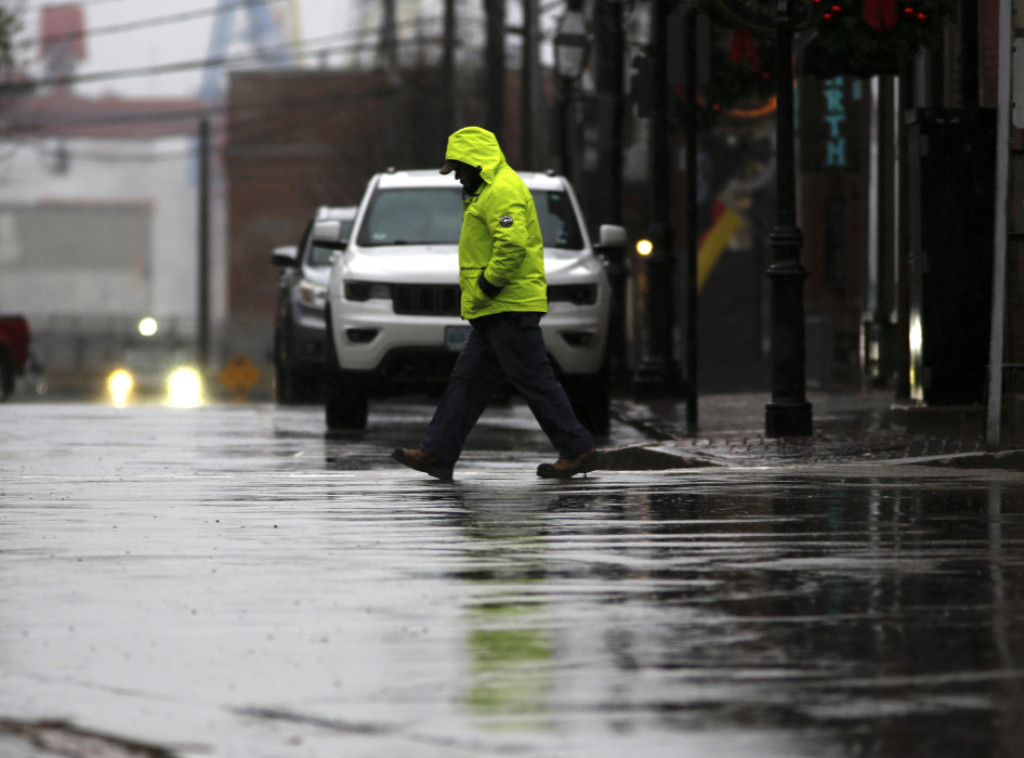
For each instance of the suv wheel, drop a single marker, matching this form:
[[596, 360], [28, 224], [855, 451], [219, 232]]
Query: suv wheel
[[284, 376], [590, 396], [345, 400], [284, 385], [295, 388], [6, 376]]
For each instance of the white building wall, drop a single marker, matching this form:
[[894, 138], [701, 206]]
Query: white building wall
[[157, 175]]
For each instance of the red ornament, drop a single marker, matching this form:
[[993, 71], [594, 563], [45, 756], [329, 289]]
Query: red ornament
[[744, 49], [881, 14]]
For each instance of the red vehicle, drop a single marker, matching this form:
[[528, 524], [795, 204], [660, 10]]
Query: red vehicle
[[14, 351]]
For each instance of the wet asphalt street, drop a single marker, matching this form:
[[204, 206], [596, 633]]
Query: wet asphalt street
[[226, 581]]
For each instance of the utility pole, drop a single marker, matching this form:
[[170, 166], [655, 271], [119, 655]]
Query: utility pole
[[495, 69], [448, 71], [608, 75], [659, 373], [388, 60], [388, 50], [203, 272], [531, 86], [1005, 113], [691, 218]]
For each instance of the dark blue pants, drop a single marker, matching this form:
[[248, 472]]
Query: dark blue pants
[[509, 345]]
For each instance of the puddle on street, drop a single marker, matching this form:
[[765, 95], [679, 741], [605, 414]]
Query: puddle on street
[[222, 586], [862, 618]]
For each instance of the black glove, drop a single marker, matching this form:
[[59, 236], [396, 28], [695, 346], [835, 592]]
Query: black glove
[[491, 290]]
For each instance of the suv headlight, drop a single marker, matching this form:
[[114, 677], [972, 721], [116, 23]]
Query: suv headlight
[[362, 291], [313, 295]]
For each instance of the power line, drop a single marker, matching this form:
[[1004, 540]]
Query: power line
[[88, 2], [363, 35], [271, 124], [130, 26], [264, 124]]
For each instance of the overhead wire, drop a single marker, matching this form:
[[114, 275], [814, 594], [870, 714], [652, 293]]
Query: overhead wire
[[88, 2], [131, 26], [281, 121], [361, 35], [359, 38]]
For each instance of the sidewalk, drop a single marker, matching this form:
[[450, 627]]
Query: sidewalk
[[848, 428]]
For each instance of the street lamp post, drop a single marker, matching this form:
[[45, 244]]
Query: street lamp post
[[571, 48], [658, 374], [789, 413]]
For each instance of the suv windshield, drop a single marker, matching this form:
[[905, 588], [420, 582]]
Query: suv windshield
[[433, 216]]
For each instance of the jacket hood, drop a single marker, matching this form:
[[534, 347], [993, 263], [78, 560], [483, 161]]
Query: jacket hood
[[477, 147]]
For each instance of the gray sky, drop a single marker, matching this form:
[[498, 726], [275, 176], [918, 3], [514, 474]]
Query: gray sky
[[166, 33], [164, 42]]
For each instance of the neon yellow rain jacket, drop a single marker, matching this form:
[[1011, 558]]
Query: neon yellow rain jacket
[[501, 236]]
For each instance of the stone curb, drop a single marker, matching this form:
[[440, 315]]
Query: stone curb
[[653, 457], [661, 457], [938, 446]]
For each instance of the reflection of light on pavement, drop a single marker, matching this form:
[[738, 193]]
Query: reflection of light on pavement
[[184, 388], [119, 386], [511, 664], [509, 637]]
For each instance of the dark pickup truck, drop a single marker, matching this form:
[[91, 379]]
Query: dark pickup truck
[[14, 351]]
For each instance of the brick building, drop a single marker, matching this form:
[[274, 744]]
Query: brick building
[[299, 139]]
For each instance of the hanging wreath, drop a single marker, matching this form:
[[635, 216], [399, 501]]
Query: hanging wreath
[[866, 37], [742, 62]]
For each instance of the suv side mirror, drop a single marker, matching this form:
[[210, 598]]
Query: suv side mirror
[[612, 235], [328, 234], [285, 256]]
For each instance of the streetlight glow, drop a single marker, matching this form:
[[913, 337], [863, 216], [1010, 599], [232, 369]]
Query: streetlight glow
[[644, 247], [148, 326]]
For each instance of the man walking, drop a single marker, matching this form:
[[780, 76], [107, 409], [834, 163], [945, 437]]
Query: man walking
[[504, 295]]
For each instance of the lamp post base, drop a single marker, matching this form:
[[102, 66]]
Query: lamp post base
[[788, 419]]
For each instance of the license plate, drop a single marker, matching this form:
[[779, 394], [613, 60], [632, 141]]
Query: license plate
[[455, 337]]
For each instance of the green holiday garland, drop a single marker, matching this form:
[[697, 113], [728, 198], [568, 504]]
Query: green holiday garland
[[875, 36], [742, 62], [861, 37]]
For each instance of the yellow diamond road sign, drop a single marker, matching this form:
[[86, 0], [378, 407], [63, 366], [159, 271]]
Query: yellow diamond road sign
[[239, 375]]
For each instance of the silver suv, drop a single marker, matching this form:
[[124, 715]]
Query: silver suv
[[299, 333], [393, 296]]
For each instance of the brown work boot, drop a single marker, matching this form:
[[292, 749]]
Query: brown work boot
[[563, 468], [423, 461]]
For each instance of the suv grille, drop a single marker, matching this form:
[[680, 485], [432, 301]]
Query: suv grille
[[426, 299]]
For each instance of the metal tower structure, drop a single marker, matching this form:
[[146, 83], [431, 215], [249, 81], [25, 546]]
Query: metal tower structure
[[261, 32]]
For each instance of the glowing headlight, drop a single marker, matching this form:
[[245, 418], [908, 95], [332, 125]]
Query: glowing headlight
[[184, 388], [119, 386], [312, 294]]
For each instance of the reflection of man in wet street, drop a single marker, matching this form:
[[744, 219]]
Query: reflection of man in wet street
[[504, 295]]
